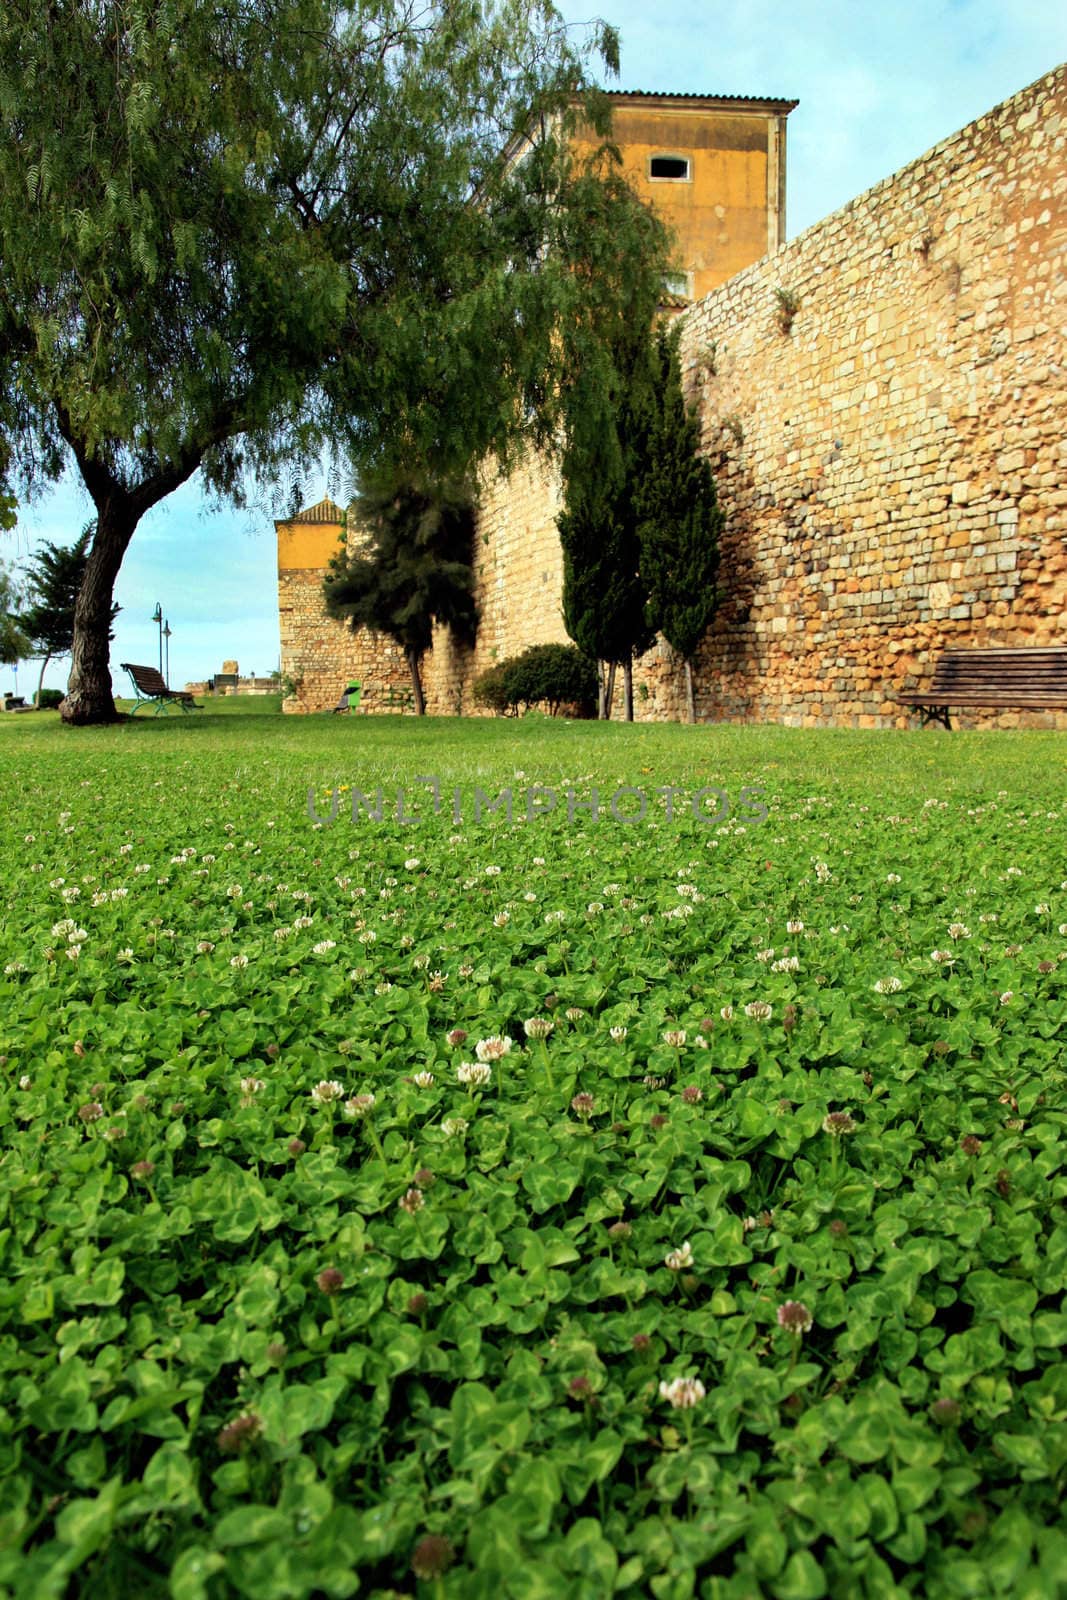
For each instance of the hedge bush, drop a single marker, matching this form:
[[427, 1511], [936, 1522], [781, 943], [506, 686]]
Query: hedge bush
[[555, 675]]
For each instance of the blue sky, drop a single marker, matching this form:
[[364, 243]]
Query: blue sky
[[877, 86]]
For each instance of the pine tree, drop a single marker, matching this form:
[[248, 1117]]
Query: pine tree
[[416, 568], [679, 520], [13, 642], [55, 576]]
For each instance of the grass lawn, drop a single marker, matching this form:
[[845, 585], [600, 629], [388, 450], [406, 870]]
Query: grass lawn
[[489, 1208]]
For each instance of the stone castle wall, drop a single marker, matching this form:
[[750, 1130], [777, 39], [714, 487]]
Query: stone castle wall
[[894, 466], [883, 402]]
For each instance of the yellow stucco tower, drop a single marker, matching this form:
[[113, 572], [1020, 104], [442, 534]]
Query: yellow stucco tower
[[713, 167]]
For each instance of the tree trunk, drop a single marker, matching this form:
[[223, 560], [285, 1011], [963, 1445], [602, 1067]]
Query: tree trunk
[[40, 680], [690, 699], [628, 688], [90, 698], [609, 691], [416, 682]]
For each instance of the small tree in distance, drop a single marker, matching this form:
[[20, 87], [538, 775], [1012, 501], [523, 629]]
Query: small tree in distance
[[55, 576], [13, 642], [679, 520], [416, 569]]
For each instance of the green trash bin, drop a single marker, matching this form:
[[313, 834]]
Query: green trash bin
[[353, 692]]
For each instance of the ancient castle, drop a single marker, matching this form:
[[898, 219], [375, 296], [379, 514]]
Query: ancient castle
[[882, 400]]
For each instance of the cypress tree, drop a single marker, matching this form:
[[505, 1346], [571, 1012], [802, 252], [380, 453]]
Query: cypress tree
[[677, 511]]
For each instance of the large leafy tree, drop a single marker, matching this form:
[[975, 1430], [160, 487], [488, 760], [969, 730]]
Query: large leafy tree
[[231, 233], [678, 516], [55, 574], [414, 567]]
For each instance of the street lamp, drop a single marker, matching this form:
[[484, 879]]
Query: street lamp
[[157, 618], [166, 635]]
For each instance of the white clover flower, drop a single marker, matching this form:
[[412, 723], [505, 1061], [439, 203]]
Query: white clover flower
[[357, 1105], [555, 916], [501, 919], [530, 897], [425, 1080], [71, 894], [454, 1127], [205, 947], [25, 1082], [536, 1028], [594, 908], [1007, 997], [368, 936], [382, 988], [678, 1259], [412, 1201], [700, 1042], [126, 953], [411, 863], [466, 970], [303, 922], [758, 1009], [475, 1074], [786, 964], [13, 968], [726, 1013], [493, 1049], [822, 871], [944, 957], [235, 891], [682, 1393], [618, 1033], [892, 877], [794, 927], [323, 946], [326, 1091], [252, 1085], [891, 985], [764, 955], [959, 930], [492, 872], [238, 961], [675, 1037], [1042, 909], [99, 898]]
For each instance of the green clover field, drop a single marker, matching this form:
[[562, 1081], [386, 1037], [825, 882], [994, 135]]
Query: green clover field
[[659, 1191]]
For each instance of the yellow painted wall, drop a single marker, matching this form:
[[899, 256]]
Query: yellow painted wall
[[306, 544], [728, 213]]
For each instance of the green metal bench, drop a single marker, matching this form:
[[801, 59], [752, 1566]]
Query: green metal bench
[[150, 689]]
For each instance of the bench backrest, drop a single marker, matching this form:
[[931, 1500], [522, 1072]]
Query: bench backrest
[[1027, 671], [148, 679]]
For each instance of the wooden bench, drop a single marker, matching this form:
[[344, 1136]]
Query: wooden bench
[[150, 689], [1025, 679]]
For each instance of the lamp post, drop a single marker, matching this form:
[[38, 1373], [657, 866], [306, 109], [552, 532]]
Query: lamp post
[[166, 635], [157, 618]]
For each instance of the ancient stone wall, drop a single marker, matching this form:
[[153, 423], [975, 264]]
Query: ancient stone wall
[[884, 404]]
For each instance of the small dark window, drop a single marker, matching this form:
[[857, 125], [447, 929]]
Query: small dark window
[[668, 167]]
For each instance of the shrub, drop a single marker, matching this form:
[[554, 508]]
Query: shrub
[[555, 675], [49, 699], [491, 690]]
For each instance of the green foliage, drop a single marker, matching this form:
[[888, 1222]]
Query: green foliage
[[55, 574], [679, 521], [417, 567], [234, 236], [604, 593], [49, 699], [13, 642], [193, 1408], [554, 675]]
